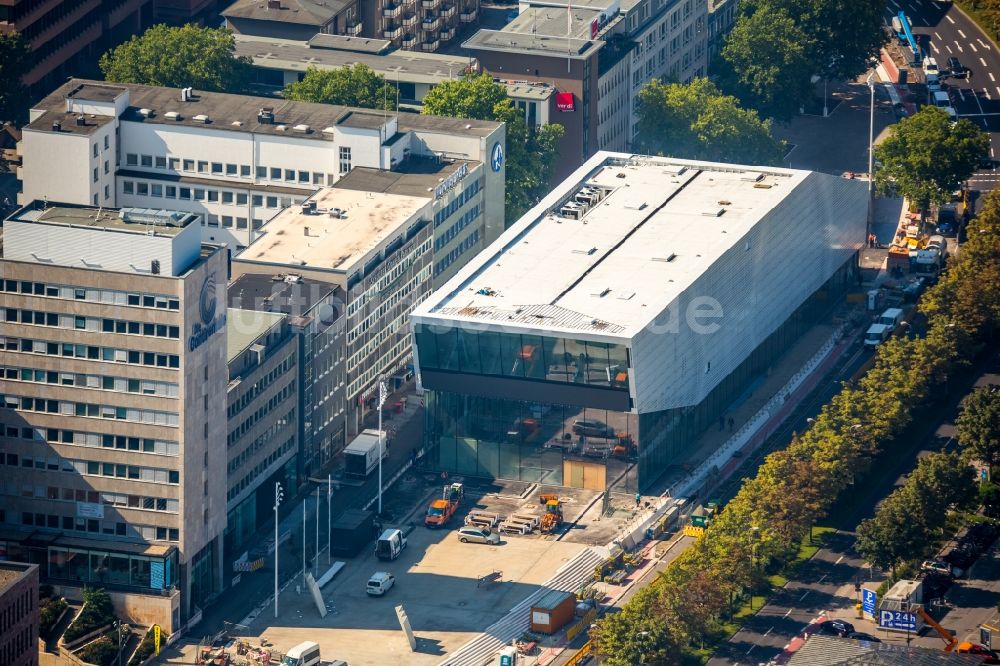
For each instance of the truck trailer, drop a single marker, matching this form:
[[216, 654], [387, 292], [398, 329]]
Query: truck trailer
[[362, 455]]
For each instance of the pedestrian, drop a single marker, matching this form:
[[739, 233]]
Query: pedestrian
[[638, 500], [731, 423], [722, 423]]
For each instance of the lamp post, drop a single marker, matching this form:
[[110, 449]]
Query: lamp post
[[871, 150], [329, 519], [278, 496], [754, 537], [383, 394]]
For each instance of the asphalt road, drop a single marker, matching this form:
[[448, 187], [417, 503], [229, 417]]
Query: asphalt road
[[826, 582], [943, 31]]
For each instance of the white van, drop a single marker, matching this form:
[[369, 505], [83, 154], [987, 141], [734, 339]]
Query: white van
[[303, 654], [380, 583], [876, 335], [891, 318]]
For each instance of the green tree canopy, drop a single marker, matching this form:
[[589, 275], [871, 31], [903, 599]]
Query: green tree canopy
[[765, 63], [354, 85], [15, 60], [979, 425], [531, 152], [841, 36], [696, 121], [927, 156], [190, 55]]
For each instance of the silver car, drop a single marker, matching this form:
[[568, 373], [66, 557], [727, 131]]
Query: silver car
[[473, 534]]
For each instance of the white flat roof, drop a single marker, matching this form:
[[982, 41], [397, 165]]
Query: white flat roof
[[326, 242], [661, 224]]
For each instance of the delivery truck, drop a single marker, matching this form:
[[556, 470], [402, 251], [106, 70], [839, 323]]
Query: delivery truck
[[362, 455]]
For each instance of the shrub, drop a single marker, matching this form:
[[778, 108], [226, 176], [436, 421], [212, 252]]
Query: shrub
[[144, 651], [49, 611], [97, 612], [101, 652]]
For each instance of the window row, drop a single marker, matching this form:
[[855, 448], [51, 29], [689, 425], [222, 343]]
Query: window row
[[69, 408], [109, 296], [259, 386], [93, 324], [102, 382], [262, 467], [442, 264], [465, 220], [56, 493], [92, 468], [459, 201], [94, 526], [230, 170], [261, 412], [91, 352], [91, 439]]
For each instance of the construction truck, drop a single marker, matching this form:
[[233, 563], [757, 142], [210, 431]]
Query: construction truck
[[441, 510], [552, 519]]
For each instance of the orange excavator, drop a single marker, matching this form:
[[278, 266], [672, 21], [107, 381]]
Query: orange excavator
[[552, 519]]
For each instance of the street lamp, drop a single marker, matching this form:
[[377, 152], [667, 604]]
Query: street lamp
[[278, 496], [383, 395], [871, 150], [754, 537]]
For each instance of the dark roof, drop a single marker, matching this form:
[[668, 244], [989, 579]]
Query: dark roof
[[412, 177], [322, 40], [821, 650], [289, 294], [364, 120], [96, 92], [302, 12], [236, 113]]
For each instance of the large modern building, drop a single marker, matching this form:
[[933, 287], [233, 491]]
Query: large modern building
[[234, 160], [623, 314], [18, 613], [67, 37], [113, 354], [377, 249], [597, 54]]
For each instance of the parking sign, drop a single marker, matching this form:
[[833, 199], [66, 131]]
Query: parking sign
[[899, 620], [868, 601]]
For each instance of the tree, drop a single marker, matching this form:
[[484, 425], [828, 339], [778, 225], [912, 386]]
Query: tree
[[927, 156], [765, 63], [841, 36], [895, 533], [696, 121], [15, 59], [190, 55], [531, 151], [353, 85], [639, 634], [979, 425], [940, 482]]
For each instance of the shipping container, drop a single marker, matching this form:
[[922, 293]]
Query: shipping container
[[351, 531], [362, 455], [553, 612]]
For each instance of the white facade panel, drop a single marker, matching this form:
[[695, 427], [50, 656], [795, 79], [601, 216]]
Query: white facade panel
[[51, 168]]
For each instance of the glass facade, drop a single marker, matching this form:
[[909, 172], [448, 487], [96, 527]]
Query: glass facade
[[123, 570], [523, 356], [499, 436]]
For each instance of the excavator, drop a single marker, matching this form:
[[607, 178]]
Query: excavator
[[552, 519]]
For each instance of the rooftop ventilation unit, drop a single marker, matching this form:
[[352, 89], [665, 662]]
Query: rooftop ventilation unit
[[81, 121], [56, 127], [145, 113], [713, 212], [280, 128], [202, 118], [751, 177], [338, 213], [187, 94], [328, 130], [674, 169], [302, 128], [266, 115], [667, 259], [172, 115]]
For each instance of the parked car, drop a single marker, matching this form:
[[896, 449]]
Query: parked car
[[861, 636], [941, 567], [380, 583], [956, 68], [592, 428], [473, 534], [841, 628]]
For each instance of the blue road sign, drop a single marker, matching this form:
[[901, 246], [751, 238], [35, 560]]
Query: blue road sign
[[889, 619], [868, 601]]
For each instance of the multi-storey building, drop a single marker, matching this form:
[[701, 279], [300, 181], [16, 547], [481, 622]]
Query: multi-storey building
[[234, 160], [615, 321], [278, 62], [314, 309], [597, 54], [262, 407], [179, 12], [66, 37], [112, 350], [721, 19], [18, 613], [293, 19], [377, 249]]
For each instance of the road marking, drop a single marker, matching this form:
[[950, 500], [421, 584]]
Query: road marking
[[992, 154], [933, 46], [787, 613], [983, 44], [961, 95], [983, 60], [839, 560], [751, 648], [937, 36], [962, 34], [821, 578], [973, 47], [916, 9], [804, 595], [768, 631], [896, 4], [987, 97], [950, 19], [949, 48], [991, 77], [959, 47]]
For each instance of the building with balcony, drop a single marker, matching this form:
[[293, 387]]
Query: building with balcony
[[292, 19], [18, 613], [234, 160], [67, 37], [620, 317], [114, 371]]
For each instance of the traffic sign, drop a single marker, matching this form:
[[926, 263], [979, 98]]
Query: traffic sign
[[901, 620], [868, 598]]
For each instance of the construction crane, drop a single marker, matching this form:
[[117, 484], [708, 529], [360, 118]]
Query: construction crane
[[904, 22]]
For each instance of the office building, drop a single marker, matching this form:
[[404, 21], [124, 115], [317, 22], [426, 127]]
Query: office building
[[622, 316], [721, 19], [597, 55], [179, 12], [278, 62], [66, 37], [113, 354], [378, 250], [234, 160], [293, 19], [262, 407], [314, 312], [18, 613]]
